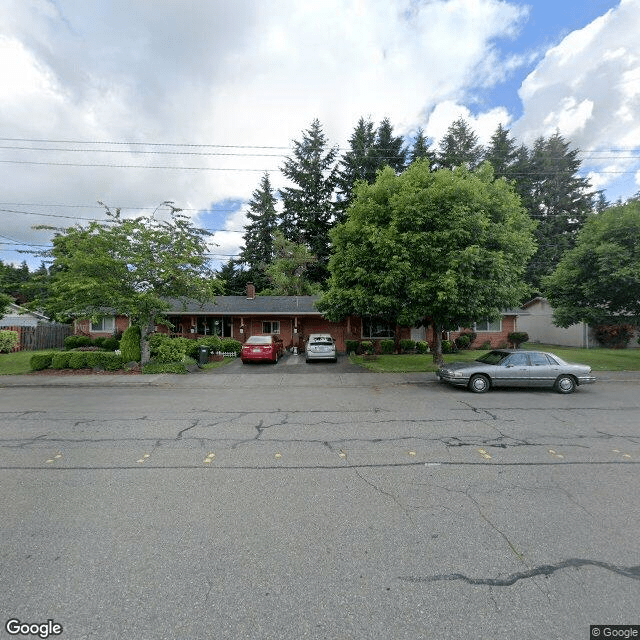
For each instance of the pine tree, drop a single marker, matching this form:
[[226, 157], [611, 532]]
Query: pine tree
[[358, 163], [459, 146], [389, 148], [257, 252], [560, 201], [502, 153], [421, 149], [309, 206]]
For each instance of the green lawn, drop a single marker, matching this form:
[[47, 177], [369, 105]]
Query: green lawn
[[16, 363], [597, 359]]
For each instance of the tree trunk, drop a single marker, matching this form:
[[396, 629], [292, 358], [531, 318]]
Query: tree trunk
[[146, 328], [437, 352]]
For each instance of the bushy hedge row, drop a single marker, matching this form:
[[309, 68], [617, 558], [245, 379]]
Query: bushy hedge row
[[76, 360], [108, 344], [165, 349]]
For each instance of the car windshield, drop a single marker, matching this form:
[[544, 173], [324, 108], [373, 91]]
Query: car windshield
[[321, 340], [259, 340], [493, 357]]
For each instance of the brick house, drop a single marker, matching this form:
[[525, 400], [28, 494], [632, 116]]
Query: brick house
[[293, 318]]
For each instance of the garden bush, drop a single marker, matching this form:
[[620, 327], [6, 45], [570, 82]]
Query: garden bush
[[214, 343], [60, 360], [387, 346], [352, 346], [614, 336], [111, 344], [231, 346], [170, 351], [110, 361], [486, 345], [40, 361], [8, 340], [465, 340], [367, 346], [422, 346], [164, 367], [448, 346], [407, 345], [155, 340], [516, 338], [130, 344], [77, 359]]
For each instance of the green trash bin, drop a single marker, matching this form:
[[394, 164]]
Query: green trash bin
[[203, 355]]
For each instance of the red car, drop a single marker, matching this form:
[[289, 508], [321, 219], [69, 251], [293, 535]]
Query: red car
[[258, 348]]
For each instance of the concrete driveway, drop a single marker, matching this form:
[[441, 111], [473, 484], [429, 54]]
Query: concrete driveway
[[294, 364]]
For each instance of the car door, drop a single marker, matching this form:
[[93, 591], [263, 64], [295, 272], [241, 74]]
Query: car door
[[513, 371], [544, 370]]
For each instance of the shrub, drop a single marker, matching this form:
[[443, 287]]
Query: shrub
[[486, 345], [155, 340], [465, 340], [8, 340], [352, 346], [93, 358], [170, 351], [213, 342], [387, 346], [99, 342], [110, 361], [229, 345], [111, 344], [60, 360], [130, 344], [614, 336], [77, 359], [367, 346], [164, 367], [40, 361], [407, 345], [516, 338], [422, 346], [70, 342], [448, 346]]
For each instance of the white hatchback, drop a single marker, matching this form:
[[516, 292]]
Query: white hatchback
[[320, 346]]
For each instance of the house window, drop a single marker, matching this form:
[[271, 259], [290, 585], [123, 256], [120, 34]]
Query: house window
[[271, 326], [372, 328], [486, 326], [104, 325]]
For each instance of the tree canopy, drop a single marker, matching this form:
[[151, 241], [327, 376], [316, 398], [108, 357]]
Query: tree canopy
[[128, 266], [598, 281], [447, 246]]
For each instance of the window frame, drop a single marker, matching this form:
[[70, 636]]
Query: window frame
[[488, 324], [93, 328], [388, 329], [274, 327]]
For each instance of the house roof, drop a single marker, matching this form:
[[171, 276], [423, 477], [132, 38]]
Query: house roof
[[241, 305], [17, 316]]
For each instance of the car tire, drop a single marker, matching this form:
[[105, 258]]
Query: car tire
[[565, 384], [479, 383]]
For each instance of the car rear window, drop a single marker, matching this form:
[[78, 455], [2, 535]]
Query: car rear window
[[259, 340], [321, 340]]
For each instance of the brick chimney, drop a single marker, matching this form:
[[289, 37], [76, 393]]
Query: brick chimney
[[251, 291]]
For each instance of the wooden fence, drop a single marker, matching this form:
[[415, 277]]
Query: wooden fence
[[43, 336]]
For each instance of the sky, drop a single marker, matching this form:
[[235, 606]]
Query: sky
[[133, 103]]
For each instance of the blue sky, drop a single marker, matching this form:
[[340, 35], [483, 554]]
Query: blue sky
[[133, 103]]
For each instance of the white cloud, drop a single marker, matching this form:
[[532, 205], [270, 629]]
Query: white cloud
[[588, 89]]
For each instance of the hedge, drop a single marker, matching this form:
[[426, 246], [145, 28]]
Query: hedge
[[8, 340], [40, 361], [164, 367]]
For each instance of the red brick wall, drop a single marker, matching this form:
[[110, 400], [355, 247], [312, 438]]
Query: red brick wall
[[496, 338]]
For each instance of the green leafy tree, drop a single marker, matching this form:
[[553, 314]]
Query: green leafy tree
[[5, 301], [131, 267], [447, 246], [459, 147], [598, 281], [288, 272], [309, 205], [233, 278], [257, 252]]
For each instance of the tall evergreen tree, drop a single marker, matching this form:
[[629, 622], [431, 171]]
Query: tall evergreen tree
[[309, 205], [389, 148], [560, 202], [502, 153], [358, 163], [421, 149], [257, 251], [459, 146]]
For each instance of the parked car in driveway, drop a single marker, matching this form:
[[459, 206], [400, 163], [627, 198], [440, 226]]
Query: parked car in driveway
[[320, 346], [514, 368], [258, 348]]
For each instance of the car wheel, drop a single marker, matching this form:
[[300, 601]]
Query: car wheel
[[565, 384], [479, 383]]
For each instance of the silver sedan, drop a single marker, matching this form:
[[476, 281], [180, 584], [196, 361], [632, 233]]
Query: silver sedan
[[512, 368], [320, 346]]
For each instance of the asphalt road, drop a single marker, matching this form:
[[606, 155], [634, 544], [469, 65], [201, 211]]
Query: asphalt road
[[329, 504]]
